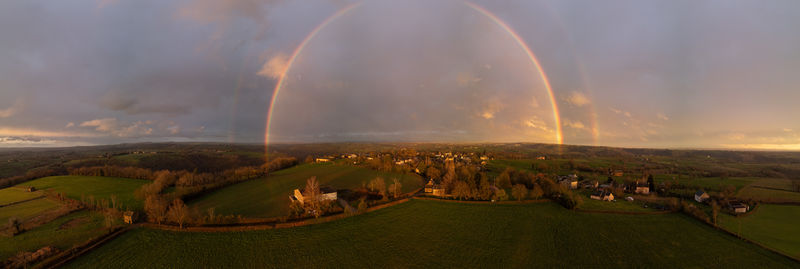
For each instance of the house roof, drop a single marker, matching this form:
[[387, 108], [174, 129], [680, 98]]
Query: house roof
[[699, 193]]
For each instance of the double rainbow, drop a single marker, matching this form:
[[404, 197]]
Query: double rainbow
[[532, 57]]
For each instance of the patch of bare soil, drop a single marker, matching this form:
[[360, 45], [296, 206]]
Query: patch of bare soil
[[73, 223]]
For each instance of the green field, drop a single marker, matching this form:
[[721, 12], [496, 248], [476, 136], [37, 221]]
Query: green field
[[26, 210], [775, 226], [10, 195], [99, 187], [619, 204], [269, 197], [448, 235], [61, 233], [708, 183], [770, 190]]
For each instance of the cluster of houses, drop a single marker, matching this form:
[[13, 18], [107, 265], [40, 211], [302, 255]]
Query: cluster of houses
[[736, 206], [326, 194], [432, 188]]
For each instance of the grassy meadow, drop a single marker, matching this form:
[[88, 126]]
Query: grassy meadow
[[99, 187], [61, 233], [26, 210], [775, 226], [269, 197], [450, 235], [10, 195]]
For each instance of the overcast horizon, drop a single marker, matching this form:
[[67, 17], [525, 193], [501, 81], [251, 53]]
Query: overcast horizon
[[643, 74]]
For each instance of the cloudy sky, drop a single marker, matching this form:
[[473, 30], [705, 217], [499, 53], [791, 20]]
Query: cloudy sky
[[707, 74]]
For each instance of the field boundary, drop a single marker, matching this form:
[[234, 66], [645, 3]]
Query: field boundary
[[23, 201], [624, 212], [66, 256], [269, 226], [797, 259], [523, 202]]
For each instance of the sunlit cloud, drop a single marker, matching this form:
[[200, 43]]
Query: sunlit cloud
[[661, 116], [69, 125], [763, 146], [574, 124], [736, 136], [275, 67], [465, 79], [223, 10], [102, 125], [491, 108], [13, 109], [578, 99]]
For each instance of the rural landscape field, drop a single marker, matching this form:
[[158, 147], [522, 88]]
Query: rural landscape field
[[399, 134]]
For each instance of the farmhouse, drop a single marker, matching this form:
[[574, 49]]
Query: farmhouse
[[603, 195], [739, 207], [429, 187], [541, 158], [31, 189], [590, 184], [326, 194], [570, 181], [129, 216], [700, 196], [323, 160], [642, 188]]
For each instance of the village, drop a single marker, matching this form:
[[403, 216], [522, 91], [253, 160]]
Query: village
[[469, 176]]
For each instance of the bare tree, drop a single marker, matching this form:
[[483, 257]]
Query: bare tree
[[396, 188], [519, 192], [178, 212], [536, 192], [378, 185], [156, 208], [311, 197], [714, 211], [462, 190]]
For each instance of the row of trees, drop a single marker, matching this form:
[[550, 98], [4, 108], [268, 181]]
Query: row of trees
[[169, 207]]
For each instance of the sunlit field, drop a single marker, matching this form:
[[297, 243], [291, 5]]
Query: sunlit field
[[269, 197], [76, 187], [437, 234]]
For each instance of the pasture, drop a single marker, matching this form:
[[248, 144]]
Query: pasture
[[775, 226], [61, 233], [450, 235], [707, 183], [25, 210], [16, 194], [99, 187], [269, 197], [770, 190]]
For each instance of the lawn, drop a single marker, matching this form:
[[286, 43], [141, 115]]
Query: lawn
[[619, 204], [269, 197], [769, 195], [708, 183], [99, 187], [61, 233], [14, 194], [432, 234], [26, 210], [775, 226]]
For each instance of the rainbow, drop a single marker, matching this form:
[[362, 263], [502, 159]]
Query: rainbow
[[281, 81]]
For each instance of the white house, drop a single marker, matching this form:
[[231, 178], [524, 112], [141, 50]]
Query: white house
[[570, 181], [326, 194], [700, 196], [603, 195], [642, 188]]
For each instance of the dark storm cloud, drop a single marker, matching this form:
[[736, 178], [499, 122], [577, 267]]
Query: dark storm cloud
[[655, 73]]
